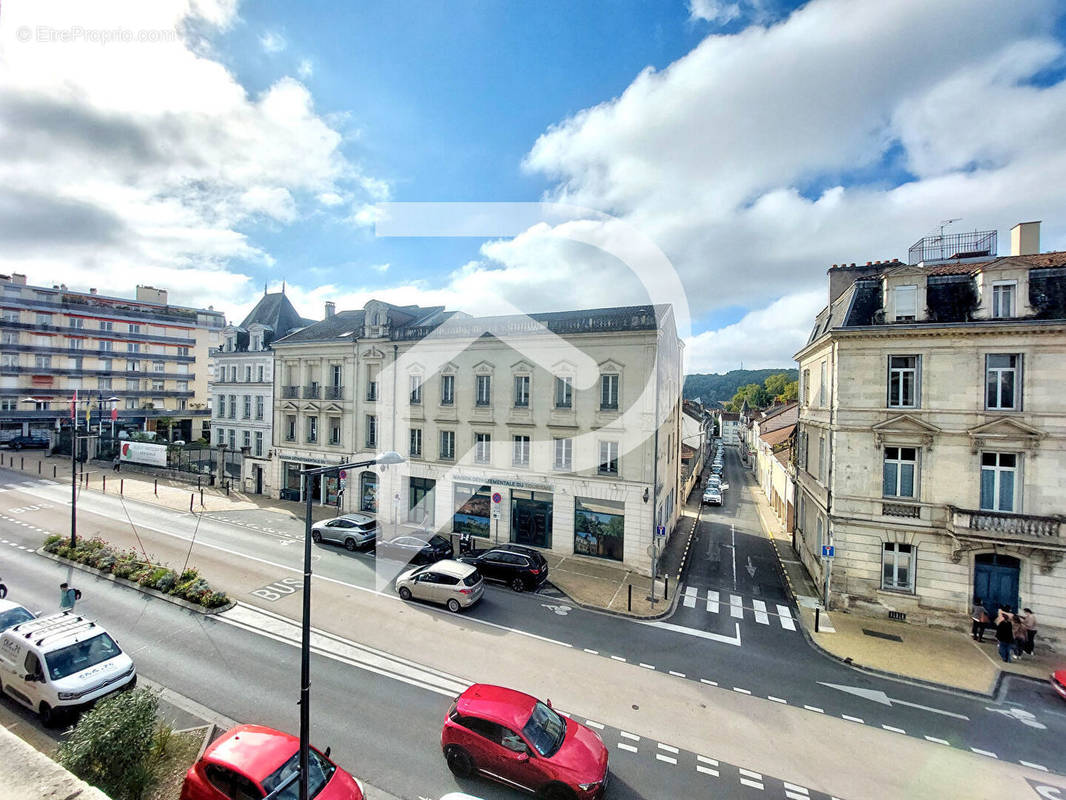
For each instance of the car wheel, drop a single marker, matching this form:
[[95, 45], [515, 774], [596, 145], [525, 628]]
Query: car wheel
[[349, 544], [518, 585], [48, 716], [459, 761], [453, 606], [316, 536], [405, 593], [556, 791]]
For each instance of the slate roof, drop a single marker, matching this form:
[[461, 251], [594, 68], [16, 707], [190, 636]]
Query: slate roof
[[329, 329], [276, 312]]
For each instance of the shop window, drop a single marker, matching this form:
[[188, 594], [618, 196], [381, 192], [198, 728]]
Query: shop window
[[599, 528], [472, 509]]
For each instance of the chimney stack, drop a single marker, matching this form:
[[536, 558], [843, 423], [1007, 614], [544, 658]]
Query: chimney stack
[[1025, 239], [331, 308]]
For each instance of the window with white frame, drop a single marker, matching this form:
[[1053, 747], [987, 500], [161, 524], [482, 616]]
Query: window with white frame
[[44, 318], [416, 389], [247, 373], [9, 360], [157, 385], [105, 364], [806, 387], [906, 298], [609, 392], [312, 429], [42, 362], [77, 322], [258, 443], [1003, 299], [447, 445], [135, 328], [564, 451], [183, 386], [290, 427], [447, 390], [247, 407], [77, 344], [132, 385], [371, 430], [1003, 381], [903, 381], [608, 458], [133, 347], [246, 439], [231, 435], [415, 449], [159, 366], [897, 566], [259, 404], [821, 459], [899, 472], [259, 373], [106, 345], [521, 391], [1000, 482], [520, 457], [483, 390], [131, 402], [233, 406], [483, 448], [133, 366], [334, 430], [220, 406], [564, 391], [823, 386]]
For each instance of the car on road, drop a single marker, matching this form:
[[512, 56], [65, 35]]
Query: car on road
[[251, 761], [521, 568], [712, 496], [351, 530], [716, 469], [1058, 682], [449, 583], [20, 442], [514, 738], [12, 614], [414, 549]]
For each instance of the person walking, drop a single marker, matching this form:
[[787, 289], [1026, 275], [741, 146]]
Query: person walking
[[1018, 627], [68, 596], [1004, 634], [1029, 620], [117, 463], [980, 620]]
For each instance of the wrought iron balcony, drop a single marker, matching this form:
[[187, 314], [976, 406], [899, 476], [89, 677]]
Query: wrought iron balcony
[[334, 392], [1000, 526], [290, 392], [311, 392]]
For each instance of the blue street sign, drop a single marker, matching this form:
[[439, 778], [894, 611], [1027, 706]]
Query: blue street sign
[[660, 530], [827, 550]]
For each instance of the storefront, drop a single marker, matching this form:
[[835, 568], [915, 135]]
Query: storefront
[[325, 489], [599, 528], [420, 501], [368, 492], [531, 518], [471, 504]]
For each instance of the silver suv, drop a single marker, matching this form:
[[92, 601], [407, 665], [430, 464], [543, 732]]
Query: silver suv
[[351, 530]]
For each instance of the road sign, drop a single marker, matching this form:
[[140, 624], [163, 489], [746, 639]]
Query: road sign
[[343, 474], [495, 510], [660, 530], [828, 550], [496, 497]]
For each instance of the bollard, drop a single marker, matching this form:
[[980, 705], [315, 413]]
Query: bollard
[[121, 485], [666, 589], [227, 488], [201, 497], [817, 616], [630, 597], [22, 462], [38, 467], [103, 481], [155, 486], [53, 470], [190, 501], [197, 481]]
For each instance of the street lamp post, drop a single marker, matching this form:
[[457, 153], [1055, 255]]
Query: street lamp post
[[384, 459]]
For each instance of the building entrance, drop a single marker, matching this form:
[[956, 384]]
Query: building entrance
[[531, 518], [995, 581]]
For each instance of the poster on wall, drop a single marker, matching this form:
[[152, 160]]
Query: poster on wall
[[144, 453]]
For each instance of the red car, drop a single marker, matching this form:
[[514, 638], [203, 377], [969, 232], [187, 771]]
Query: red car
[[1058, 682], [250, 761], [514, 738]]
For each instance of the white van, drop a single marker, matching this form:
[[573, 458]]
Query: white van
[[58, 664]]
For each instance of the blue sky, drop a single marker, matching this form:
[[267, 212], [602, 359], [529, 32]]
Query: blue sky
[[209, 146]]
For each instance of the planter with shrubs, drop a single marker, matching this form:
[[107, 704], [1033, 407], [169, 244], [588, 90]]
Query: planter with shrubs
[[130, 565]]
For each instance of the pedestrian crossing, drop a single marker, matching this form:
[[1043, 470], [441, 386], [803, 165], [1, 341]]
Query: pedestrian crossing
[[715, 602]]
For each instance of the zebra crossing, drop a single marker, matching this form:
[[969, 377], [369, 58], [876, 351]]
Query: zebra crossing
[[717, 603]]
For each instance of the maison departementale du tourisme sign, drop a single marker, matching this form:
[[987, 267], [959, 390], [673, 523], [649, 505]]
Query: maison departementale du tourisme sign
[[144, 453]]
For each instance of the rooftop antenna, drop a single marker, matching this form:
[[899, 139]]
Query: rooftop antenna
[[264, 288], [283, 287]]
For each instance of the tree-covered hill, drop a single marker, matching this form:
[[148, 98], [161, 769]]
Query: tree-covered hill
[[716, 387]]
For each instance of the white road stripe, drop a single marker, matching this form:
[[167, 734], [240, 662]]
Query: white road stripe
[[786, 618], [706, 760], [707, 770], [794, 788], [742, 691], [938, 741], [629, 747], [750, 774], [618, 658], [760, 612], [736, 606], [714, 637], [709, 683], [776, 700], [1033, 766], [894, 730], [646, 666], [593, 652], [627, 735], [752, 784], [677, 674], [690, 596], [668, 748], [712, 601], [597, 725], [791, 795], [853, 719], [814, 708], [984, 753], [667, 759], [691, 590]]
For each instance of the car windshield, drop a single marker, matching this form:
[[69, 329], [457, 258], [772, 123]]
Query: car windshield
[[472, 578], [545, 730], [81, 655], [12, 617], [319, 771], [437, 540]]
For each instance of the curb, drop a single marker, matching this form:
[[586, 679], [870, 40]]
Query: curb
[[132, 585], [611, 612]]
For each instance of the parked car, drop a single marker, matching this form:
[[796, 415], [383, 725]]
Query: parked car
[[351, 530], [712, 496], [249, 761], [716, 469], [19, 442], [450, 583], [11, 614], [521, 568], [514, 738], [414, 549], [1058, 682]]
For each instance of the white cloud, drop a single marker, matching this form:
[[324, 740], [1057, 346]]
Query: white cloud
[[382, 268], [305, 69], [142, 159], [272, 42], [713, 10]]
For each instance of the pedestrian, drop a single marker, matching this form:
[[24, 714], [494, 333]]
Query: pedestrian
[[980, 620], [1018, 626], [1004, 634], [68, 596], [117, 463], [1029, 618]]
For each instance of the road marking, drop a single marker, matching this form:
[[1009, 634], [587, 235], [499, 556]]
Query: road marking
[[760, 612], [773, 699], [594, 652], [677, 674], [984, 753], [629, 747], [814, 708], [627, 735], [712, 601], [667, 759], [752, 784], [877, 696], [709, 683], [690, 596], [618, 658], [1033, 766], [853, 719], [707, 770], [714, 637], [646, 666], [938, 741], [706, 760], [786, 618], [750, 774], [742, 691], [794, 788], [791, 795], [894, 730], [736, 606], [668, 748], [597, 725]]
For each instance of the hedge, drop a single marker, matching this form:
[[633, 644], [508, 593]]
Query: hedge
[[129, 565]]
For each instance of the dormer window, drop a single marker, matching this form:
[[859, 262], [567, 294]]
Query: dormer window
[[906, 298], [1003, 299]]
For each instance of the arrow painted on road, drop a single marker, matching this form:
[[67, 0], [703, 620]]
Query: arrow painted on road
[[751, 568], [877, 696]]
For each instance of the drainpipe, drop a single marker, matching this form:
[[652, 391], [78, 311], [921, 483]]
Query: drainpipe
[[392, 439]]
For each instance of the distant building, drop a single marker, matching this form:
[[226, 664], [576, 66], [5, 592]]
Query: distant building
[[142, 356], [728, 427], [931, 445]]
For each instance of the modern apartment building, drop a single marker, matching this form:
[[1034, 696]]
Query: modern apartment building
[[534, 429], [142, 355], [932, 439], [242, 389]]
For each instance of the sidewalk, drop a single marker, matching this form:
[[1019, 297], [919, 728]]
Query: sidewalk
[[590, 582], [943, 656]]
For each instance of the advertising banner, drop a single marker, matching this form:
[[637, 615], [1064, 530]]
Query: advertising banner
[[144, 453]]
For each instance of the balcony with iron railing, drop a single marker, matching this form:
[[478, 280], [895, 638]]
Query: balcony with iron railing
[[311, 392], [954, 246], [334, 392], [998, 526], [290, 392]]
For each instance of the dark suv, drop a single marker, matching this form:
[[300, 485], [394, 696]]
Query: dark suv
[[521, 568], [18, 442]]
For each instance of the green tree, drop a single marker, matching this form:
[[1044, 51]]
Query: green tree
[[754, 393], [116, 746]]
